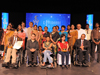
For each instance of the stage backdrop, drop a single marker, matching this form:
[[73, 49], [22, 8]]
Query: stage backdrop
[[89, 20], [48, 19], [5, 19]]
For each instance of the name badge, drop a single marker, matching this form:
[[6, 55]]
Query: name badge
[[99, 30]]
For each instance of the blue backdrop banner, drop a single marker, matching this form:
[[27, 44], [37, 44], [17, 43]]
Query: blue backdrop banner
[[5, 20], [48, 19], [89, 20]]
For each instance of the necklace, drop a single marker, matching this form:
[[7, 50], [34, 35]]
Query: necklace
[[47, 43]]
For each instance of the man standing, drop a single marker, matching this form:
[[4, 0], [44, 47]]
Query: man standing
[[88, 32], [95, 34], [29, 30], [80, 31], [32, 48]]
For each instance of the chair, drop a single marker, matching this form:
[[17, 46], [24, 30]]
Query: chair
[[52, 57], [76, 56], [27, 59]]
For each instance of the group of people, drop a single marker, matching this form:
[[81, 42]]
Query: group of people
[[63, 42]]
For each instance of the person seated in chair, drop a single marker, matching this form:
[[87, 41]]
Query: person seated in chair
[[47, 46], [82, 46], [11, 51], [63, 50], [32, 48]]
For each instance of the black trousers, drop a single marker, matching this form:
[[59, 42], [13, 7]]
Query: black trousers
[[93, 50], [81, 53], [67, 57], [29, 53]]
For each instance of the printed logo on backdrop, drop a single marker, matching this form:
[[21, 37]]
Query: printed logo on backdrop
[[35, 21]]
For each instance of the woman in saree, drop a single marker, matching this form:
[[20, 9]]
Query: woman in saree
[[7, 34], [72, 37], [22, 35], [40, 32]]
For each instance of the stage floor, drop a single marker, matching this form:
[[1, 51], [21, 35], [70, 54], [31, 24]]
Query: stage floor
[[94, 69]]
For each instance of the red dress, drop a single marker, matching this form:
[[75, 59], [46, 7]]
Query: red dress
[[62, 45]]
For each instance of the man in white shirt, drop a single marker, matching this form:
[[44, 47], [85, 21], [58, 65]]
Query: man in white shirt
[[80, 31], [24, 28], [88, 32], [29, 30]]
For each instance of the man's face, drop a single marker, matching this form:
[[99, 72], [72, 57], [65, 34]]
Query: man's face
[[33, 37], [96, 25], [45, 28], [31, 24], [82, 37], [78, 26], [15, 33], [87, 27]]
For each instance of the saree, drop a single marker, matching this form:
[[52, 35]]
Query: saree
[[7, 35]]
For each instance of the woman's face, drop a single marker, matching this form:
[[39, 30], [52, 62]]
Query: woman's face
[[8, 27], [40, 28], [46, 29], [62, 28], [63, 38], [19, 27], [72, 26], [48, 38], [35, 27], [68, 27]]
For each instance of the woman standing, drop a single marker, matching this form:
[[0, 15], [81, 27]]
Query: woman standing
[[68, 28], [7, 34], [63, 32], [73, 35], [40, 37], [21, 34], [63, 50], [35, 31]]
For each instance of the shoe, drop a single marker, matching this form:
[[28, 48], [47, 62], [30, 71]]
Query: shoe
[[13, 65], [4, 64], [34, 65], [86, 64], [80, 63], [30, 65], [98, 61], [62, 67], [66, 66]]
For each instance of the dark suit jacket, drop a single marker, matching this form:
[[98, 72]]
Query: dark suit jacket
[[12, 38], [85, 44]]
